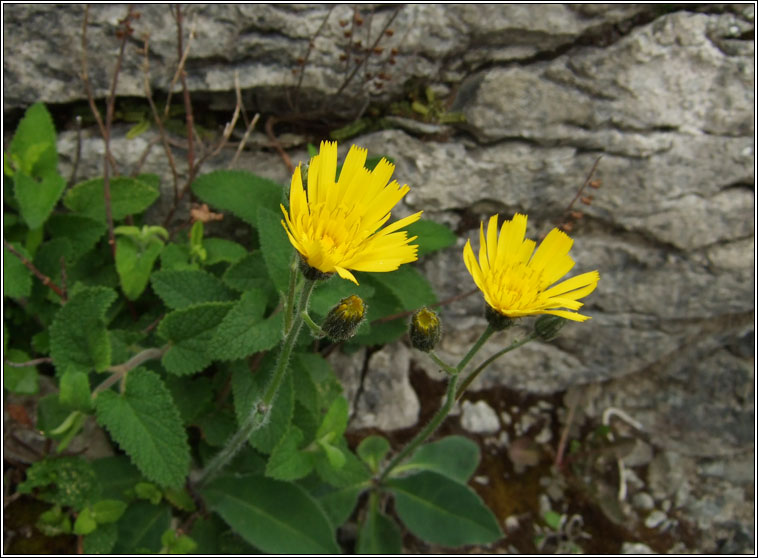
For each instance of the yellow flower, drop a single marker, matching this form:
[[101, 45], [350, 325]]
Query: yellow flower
[[336, 225], [514, 278]]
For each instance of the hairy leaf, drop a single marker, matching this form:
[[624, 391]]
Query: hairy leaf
[[239, 192], [36, 199], [182, 288], [146, 424], [129, 196], [17, 279]]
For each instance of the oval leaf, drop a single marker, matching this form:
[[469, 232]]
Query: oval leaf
[[442, 511], [277, 517]]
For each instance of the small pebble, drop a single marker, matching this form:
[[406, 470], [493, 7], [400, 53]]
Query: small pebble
[[655, 518], [643, 501], [636, 548]]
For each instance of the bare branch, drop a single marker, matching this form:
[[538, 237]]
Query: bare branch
[[241, 146], [30, 266], [77, 154], [35, 362]]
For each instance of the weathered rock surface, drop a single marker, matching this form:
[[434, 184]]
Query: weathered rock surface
[[667, 100]]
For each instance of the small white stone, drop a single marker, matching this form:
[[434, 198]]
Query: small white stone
[[654, 519], [511, 523], [506, 418], [643, 501], [636, 548], [482, 479], [479, 417]]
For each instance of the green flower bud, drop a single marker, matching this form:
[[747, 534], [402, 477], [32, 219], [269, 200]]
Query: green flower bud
[[342, 321], [547, 326], [497, 320], [425, 330]]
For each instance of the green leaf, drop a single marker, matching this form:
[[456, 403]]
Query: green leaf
[[148, 491], [455, 457], [17, 279], [248, 273], [108, 511], [552, 519], [248, 389], [66, 481], [379, 534], [335, 420], [431, 236], [134, 264], [54, 522], [116, 476], [84, 523], [34, 143], [141, 527], [339, 503], [146, 424], [217, 427], [287, 462], [411, 288], [372, 450], [180, 499], [442, 511], [334, 455], [243, 330], [222, 250], [24, 380], [353, 472], [275, 516], [173, 544], [315, 381], [36, 200], [190, 330], [82, 232], [276, 247], [101, 540], [75, 391], [78, 337], [176, 256], [183, 288], [193, 396], [239, 192], [129, 196]]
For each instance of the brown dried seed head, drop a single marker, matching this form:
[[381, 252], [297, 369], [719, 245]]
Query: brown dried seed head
[[348, 33], [394, 52], [587, 200], [566, 227], [343, 22], [576, 215], [389, 32], [300, 61], [391, 61], [358, 19], [378, 50], [343, 57], [595, 183]]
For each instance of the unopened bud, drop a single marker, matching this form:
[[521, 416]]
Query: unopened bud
[[342, 321], [497, 320], [547, 326], [425, 330]]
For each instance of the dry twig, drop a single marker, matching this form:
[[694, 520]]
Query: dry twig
[[31, 267]]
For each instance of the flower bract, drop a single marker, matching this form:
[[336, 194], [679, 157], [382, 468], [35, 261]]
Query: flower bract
[[336, 225], [516, 279]]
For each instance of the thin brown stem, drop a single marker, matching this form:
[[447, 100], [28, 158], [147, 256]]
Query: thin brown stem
[[110, 110], [64, 277], [307, 56], [88, 86], [270, 122], [241, 145], [158, 120], [185, 91], [30, 266], [350, 77], [584, 185], [564, 435]]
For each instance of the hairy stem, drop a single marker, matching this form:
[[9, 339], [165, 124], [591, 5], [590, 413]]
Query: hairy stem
[[261, 410]]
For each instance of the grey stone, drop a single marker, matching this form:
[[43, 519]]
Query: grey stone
[[643, 501], [479, 417], [636, 548], [655, 519], [388, 401]]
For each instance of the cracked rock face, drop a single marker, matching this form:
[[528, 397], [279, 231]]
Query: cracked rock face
[[666, 100]]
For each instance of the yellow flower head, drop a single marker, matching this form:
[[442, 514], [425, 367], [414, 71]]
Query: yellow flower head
[[514, 278], [335, 225]]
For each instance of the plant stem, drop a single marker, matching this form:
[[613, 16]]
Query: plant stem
[[260, 411], [471, 377], [289, 303], [427, 431], [314, 327], [120, 370], [442, 413], [442, 364]]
